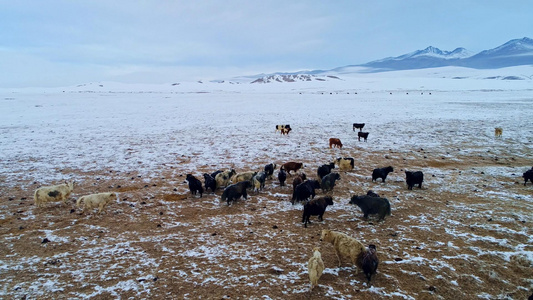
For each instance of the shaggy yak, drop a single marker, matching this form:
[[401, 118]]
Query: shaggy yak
[[328, 182], [282, 176], [210, 182], [99, 201], [381, 173], [292, 166], [372, 205], [269, 170], [315, 207], [299, 179], [222, 179], [258, 181], [305, 190], [345, 246], [53, 193], [370, 262], [324, 170], [412, 178], [528, 175], [315, 266], [235, 191], [195, 185]]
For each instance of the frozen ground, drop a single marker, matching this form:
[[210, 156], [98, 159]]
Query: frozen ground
[[466, 234]]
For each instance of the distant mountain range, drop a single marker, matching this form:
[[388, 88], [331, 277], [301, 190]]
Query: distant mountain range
[[513, 53]]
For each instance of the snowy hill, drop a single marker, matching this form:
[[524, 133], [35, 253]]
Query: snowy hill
[[517, 52], [293, 78], [513, 53]]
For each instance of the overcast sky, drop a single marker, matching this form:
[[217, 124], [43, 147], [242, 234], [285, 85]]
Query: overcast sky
[[60, 43]]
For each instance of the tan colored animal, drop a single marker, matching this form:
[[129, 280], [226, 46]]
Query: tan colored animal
[[315, 267], [498, 131], [243, 177], [99, 201], [333, 142], [344, 246], [345, 164], [53, 193], [222, 179]]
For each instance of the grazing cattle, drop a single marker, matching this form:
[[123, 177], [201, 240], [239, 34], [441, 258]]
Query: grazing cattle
[[528, 175], [345, 164], [195, 185], [258, 181], [284, 129], [292, 166], [372, 205], [334, 142], [324, 170], [369, 262], [282, 176], [243, 177], [315, 266], [412, 178], [235, 191], [210, 182], [315, 207], [363, 135], [358, 126], [299, 179], [99, 201], [344, 246], [498, 131], [305, 190], [53, 193], [381, 173], [269, 170], [222, 179], [328, 182]]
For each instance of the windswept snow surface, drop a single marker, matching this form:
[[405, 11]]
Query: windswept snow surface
[[468, 227]]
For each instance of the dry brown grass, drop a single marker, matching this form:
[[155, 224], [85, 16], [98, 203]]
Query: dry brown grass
[[167, 244]]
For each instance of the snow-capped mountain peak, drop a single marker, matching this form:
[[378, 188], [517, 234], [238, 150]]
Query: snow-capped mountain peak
[[511, 48]]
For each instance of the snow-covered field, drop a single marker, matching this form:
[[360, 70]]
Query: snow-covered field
[[466, 234]]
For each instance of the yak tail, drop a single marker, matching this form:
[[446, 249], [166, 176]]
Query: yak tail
[[79, 201], [387, 212]]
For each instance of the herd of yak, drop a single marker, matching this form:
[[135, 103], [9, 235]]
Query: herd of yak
[[236, 185]]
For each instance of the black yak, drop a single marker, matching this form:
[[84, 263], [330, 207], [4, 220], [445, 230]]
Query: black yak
[[363, 135], [210, 182], [324, 170], [412, 178], [372, 205], [282, 176], [269, 170], [195, 185], [381, 173], [305, 190], [369, 262], [235, 191], [528, 175], [328, 182], [315, 207]]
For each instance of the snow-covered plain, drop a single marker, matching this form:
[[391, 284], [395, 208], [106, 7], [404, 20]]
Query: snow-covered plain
[[140, 140]]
